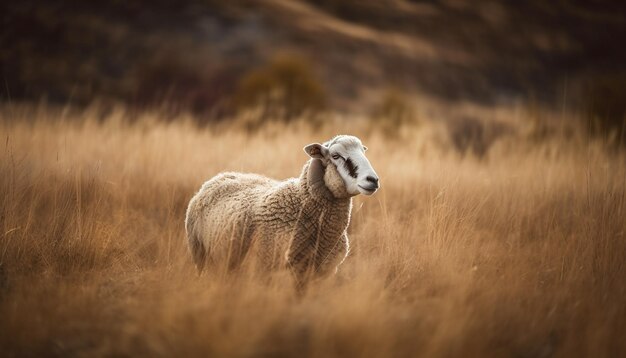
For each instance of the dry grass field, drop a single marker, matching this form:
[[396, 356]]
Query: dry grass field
[[521, 253]]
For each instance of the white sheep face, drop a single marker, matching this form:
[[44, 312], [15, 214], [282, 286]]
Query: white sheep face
[[347, 154]]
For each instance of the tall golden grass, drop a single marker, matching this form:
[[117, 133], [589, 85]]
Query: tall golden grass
[[521, 253]]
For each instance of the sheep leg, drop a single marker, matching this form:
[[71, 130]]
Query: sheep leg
[[198, 253]]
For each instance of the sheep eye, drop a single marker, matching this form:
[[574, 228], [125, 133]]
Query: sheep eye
[[336, 156]]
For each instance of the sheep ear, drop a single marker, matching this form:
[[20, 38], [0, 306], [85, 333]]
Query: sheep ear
[[316, 150], [364, 148]]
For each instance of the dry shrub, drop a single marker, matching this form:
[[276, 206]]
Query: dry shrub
[[473, 136], [604, 107], [393, 113], [283, 89], [521, 255], [539, 127]]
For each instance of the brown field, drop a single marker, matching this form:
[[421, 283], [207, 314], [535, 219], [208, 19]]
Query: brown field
[[521, 253]]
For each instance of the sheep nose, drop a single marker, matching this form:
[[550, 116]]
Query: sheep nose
[[372, 180]]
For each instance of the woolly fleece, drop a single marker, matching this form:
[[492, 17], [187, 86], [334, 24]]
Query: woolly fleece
[[299, 223]]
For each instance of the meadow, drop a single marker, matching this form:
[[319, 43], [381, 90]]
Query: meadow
[[518, 252]]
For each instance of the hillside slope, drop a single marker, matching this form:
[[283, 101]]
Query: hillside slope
[[195, 51]]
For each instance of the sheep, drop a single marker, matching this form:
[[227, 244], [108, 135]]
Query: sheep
[[299, 223]]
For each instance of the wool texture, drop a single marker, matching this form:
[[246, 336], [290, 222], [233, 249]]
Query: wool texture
[[299, 223]]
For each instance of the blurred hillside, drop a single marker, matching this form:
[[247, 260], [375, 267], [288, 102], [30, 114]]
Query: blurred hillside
[[194, 54]]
